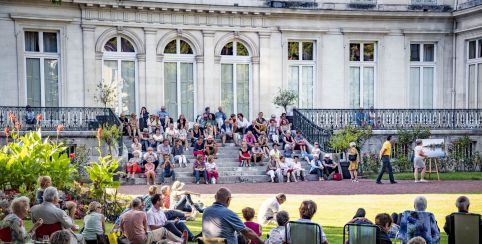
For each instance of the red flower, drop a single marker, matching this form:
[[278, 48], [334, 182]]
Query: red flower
[[12, 117], [39, 117], [7, 131], [60, 128], [99, 133], [72, 156]]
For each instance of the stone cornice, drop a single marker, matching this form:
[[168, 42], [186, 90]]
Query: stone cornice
[[33, 17]]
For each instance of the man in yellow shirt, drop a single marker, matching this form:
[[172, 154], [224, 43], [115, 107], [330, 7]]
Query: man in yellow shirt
[[385, 153]]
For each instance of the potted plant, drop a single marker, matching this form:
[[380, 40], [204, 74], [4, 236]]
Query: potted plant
[[285, 98]]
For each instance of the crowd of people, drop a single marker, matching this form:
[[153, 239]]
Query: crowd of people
[[161, 215], [159, 145]]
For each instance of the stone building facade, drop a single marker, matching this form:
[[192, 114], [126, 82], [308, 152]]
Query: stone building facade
[[189, 54]]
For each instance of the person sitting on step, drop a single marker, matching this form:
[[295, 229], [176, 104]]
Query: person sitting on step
[[244, 155], [317, 167], [212, 170], [167, 169], [210, 147], [178, 153], [299, 171], [330, 167], [199, 168], [133, 166]]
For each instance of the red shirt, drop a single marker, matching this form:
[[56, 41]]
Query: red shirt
[[166, 202]]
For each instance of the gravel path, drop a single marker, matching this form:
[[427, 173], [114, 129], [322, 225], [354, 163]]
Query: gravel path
[[344, 187]]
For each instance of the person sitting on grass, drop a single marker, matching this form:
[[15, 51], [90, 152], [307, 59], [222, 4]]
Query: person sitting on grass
[[278, 235], [270, 208], [181, 199], [199, 168], [44, 182], [329, 167], [94, 223], [212, 170], [307, 210], [219, 221], [133, 165], [248, 215], [150, 172], [317, 167], [299, 171], [257, 154], [244, 155], [167, 169], [210, 147]]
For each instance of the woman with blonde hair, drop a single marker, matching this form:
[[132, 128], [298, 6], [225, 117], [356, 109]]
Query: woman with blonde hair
[[44, 182], [354, 158], [71, 209], [94, 223]]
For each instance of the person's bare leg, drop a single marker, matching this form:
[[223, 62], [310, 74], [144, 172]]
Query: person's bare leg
[[352, 175], [355, 173], [224, 139], [422, 174], [415, 174]]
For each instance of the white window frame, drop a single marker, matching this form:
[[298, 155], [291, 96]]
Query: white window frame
[[120, 56], [300, 63], [422, 64], [362, 64], [179, 58], [235, 60], [474, 61], [41, 55]]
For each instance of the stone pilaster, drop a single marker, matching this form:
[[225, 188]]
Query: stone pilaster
[[90, 81]]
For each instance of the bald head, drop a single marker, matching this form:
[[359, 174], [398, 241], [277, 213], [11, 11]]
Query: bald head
[[223, 195]]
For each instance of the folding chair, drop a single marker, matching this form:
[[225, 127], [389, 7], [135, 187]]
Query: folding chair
[[466, 228], [360, 233], [47, 230], [303, 233], [5, 234], [211, 240]]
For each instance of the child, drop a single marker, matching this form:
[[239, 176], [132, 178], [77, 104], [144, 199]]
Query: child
[[44, 182], [150, 172], [248, 215], [145, 139], [133, 165], [244, 155], [212, 170]]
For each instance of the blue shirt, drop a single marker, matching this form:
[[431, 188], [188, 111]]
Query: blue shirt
[[220, 115], [219, 221], [162, 114]]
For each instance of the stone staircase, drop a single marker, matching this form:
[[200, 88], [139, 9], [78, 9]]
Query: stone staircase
[[228, 169]]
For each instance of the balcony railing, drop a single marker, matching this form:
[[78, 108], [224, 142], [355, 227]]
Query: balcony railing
[[393, 119], [469, 4], [72, 118]]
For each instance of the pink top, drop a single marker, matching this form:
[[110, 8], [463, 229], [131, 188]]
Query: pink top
[[149, 167], [133, 226], [255, 227], [249, 139]]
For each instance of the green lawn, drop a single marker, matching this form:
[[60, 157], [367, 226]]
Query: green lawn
[[334, 211], [443, 176]]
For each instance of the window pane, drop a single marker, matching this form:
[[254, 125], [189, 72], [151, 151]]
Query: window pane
[[307, 87], [427, 87], [369, 52], [479, 86], [428, 52], [126, 46], [368, 86], [307, 50], [355, 87], [480, 48], [354, 51], [187, 91], [33, 82], [293, 79], [185, 48], [472, 90], [50, 42], [415, 52], [111, 45], [170, 88], [414, 88], [128, 74], [227, 49], [293, 51], [51, 71], [171, 47], [31, 41], [472, 49], [227, 96], [242, 88], [241, 49]]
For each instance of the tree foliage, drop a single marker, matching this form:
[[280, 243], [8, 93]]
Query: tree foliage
[[284, 98], [107, 93], [340, 141]]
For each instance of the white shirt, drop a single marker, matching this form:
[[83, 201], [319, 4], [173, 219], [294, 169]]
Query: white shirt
[[156, 217], [315, 151], [274, 153], [297, 165], [242, 124], [418, 150], [210, 166], [268, 209]]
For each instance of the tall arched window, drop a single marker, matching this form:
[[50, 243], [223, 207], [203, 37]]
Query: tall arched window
[[179, 87], [119, 70], [235, 78]]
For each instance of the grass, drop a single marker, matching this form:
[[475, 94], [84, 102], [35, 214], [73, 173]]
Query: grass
[[443, 176], [334, 211]]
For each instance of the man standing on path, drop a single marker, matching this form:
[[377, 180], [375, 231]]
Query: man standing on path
[[385, 153], [270, 208]]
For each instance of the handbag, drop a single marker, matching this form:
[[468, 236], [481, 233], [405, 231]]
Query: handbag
[[352, 157], [337, 177]]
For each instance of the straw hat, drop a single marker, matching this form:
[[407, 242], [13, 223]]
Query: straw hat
[[177, 185]]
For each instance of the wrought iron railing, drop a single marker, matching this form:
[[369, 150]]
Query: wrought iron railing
[[72, 118], [393, 119], [469, 4], [312, 132]]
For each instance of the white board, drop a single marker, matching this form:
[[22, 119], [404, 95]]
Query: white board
[[434, 148]]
